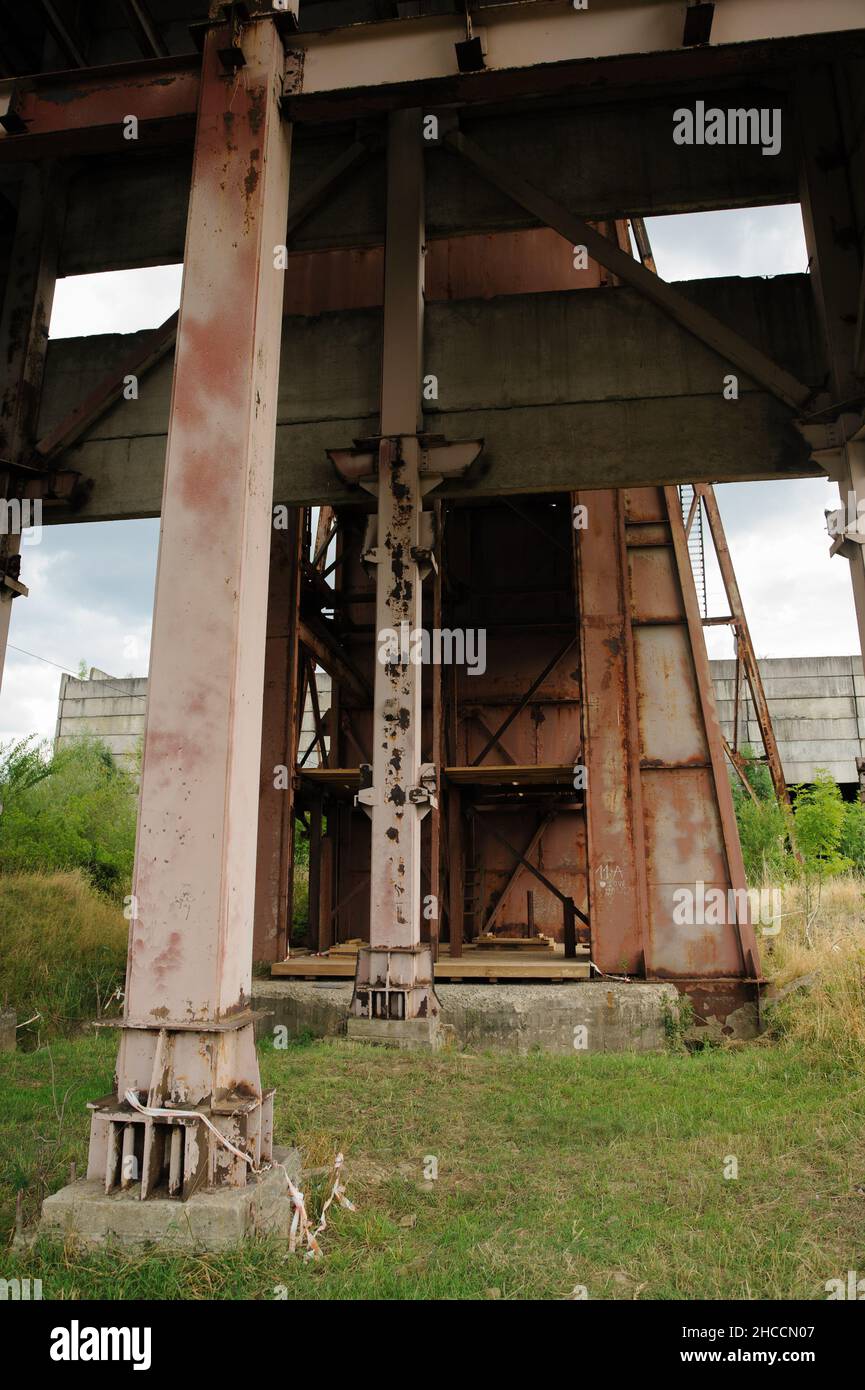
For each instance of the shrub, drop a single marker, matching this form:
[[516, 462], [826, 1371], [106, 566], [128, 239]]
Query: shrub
[[763, 830], [67, 808], [852, 844], [763, 825], [819, 814]]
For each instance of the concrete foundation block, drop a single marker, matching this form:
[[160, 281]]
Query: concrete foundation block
[[8, 1031], [422, 1034], [615, 1016], [574, 1019], [216, 1220]]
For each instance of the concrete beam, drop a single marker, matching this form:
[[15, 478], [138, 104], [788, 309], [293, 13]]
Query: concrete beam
[[576, 401], [708, 329], [603, 161]]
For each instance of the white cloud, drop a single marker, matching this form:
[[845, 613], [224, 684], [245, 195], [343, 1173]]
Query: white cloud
[[91, 595], [737, 241], [798, 600], [119, 301]]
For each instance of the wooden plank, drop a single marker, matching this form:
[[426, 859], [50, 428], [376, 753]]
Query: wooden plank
[[473, 965], [526, 775], [531, 943]]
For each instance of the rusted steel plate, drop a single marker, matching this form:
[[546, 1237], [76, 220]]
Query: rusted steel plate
[[670, 721]]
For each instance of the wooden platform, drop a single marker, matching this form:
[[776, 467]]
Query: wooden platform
[[347, 779], [473, 964]]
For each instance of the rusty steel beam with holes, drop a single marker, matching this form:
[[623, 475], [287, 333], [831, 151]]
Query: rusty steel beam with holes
[[72, 113], [187, 1033]]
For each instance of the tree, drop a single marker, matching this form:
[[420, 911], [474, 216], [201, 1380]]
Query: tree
[[67, 807]]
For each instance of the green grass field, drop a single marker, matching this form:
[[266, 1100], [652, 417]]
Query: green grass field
[[603, 1171]]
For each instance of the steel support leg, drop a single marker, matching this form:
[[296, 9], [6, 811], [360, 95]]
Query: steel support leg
[[394, 979], [187, 1037], [280, 724]]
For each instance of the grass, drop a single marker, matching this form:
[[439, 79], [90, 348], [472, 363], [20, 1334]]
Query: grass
[[62, 950], [605, 1171], [822, 943], [553, 1172]]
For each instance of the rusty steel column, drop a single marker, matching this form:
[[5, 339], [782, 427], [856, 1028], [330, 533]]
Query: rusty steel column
[[394, 982], [280, 725], [617, 879], [23, 346], [187, 1038]]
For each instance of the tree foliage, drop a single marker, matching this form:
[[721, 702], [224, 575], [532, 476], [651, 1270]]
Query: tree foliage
[[819, 817], [65, 808]]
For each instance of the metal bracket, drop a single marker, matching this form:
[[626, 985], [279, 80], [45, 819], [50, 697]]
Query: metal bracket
[[439, 461], [425, 794], [367, 796], [829, 439]]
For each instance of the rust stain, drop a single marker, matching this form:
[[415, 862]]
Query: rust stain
[[170, 958]]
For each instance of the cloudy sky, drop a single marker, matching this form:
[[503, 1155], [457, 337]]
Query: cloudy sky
[[91, 587]]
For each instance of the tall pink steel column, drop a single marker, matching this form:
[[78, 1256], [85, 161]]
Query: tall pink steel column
[[187, 1037]]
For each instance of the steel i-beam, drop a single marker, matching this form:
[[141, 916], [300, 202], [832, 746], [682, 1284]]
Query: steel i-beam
[[187, 1041], [394, 994], [394, 979], [395, 974]]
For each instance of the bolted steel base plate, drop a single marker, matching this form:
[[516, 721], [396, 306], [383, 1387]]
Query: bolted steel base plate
[[218, 1220]]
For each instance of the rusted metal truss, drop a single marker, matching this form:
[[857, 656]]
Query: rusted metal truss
[[746, 657]]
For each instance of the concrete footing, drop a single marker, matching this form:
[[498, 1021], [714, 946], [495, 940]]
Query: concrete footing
[[572, 1018], [8, 1031], [419, 1034], [215, 1220]]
